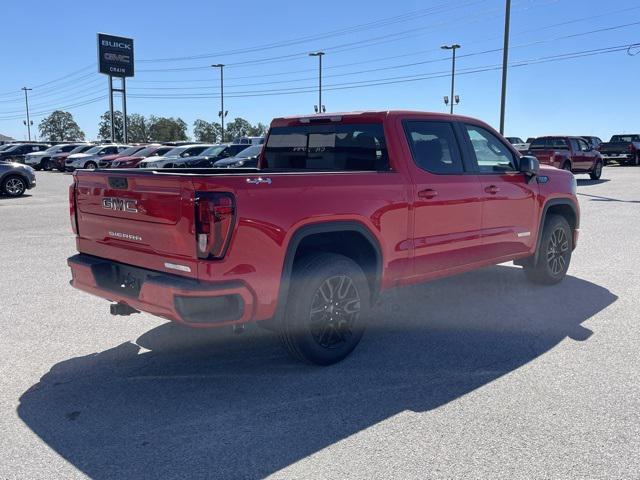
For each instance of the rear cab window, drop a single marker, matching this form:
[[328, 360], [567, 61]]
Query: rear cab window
[[549, 143], [332, 147]]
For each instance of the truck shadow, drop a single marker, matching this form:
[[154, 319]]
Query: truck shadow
[[180, 403]]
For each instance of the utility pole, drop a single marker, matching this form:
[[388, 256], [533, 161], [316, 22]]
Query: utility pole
[[222, 112], [26, 101], [453, 49], [320, 107], [505, 60]]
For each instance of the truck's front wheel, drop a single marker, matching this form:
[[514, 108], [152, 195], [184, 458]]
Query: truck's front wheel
[[324, 318], [554, 252]]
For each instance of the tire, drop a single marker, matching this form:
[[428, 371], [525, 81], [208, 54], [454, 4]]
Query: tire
[[46, 165], [566, 166], [554, 252], [13, 186], [636, 160], [323, 319], [596, 173], [90, 165]]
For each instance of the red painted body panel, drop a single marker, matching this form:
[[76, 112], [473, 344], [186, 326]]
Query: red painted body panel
[[419, 238]]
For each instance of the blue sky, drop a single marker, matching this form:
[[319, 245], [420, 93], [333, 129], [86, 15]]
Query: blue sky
[[51, 47]]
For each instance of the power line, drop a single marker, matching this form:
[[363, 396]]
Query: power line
[[405, 65], [62, 107], [399, 79], [409, 16]]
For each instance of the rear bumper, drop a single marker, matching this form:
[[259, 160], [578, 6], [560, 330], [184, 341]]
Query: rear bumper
[[183, 300], [618, 156]]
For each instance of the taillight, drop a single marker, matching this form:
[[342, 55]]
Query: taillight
[[72, 208], [631, 147], [215, 215]]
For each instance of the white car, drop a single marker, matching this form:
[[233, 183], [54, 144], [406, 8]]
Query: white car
[[167, 160], [40, 160], [518, 144], [91, 158]]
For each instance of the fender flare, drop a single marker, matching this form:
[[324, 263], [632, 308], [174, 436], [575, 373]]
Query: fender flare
[[543, 218], [325, 227]]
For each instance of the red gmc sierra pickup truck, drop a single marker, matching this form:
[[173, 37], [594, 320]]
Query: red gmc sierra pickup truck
[[341, 208]]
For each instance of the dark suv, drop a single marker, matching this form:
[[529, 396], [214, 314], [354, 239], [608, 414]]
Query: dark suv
[[16, 152]]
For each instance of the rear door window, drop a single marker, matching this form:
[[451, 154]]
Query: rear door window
[[336, 147], [434, 146]]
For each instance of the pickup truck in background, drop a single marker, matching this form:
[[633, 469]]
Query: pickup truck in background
[[568, 153], [624, 149], [342, 207]]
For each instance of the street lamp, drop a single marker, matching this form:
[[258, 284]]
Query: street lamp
[[222, 113], [453, 49], [320, 107], [26, 101]]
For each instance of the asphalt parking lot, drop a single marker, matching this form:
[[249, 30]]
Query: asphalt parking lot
[[477, 376]]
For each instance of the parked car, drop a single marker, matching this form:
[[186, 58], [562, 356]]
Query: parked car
[[210, 156], [42, 160], [57, 161], [17, 151], [90, 159], [342, 208], [132, 161], [530, 140], [247, 158], [568, 153], [248, 140], [176, 154], [624, 149], [518, 144], [16, 178], [107, 160]]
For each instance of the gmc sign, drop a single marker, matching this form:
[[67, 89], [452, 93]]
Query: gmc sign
[[115, 55]]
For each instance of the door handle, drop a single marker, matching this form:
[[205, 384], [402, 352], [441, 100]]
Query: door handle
[[427, 193], [492, 189]]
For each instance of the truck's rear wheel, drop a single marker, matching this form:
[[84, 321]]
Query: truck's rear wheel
[[596, 173], [323, 320], [554, 252]]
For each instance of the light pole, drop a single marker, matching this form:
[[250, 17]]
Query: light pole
[[221, 113], [26, 101], [453, 49], [320, 108], [505, 60]]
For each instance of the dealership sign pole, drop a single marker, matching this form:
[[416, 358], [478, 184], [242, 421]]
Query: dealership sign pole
[[115, 59]]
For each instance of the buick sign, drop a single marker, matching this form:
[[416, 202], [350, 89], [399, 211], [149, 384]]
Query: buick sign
[[115, 55]]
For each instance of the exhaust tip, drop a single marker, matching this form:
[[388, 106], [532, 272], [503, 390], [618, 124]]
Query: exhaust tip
[[121, 309]]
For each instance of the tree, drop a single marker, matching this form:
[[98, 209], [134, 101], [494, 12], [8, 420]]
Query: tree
[[167, 129], [137, 128], [104, 128], [238, 127], [259, 130], [60, 127], [204, 131]]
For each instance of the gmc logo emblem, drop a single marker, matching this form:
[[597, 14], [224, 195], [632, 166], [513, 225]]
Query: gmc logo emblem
[[120, 204]]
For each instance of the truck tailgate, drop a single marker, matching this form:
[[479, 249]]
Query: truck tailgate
[[543, 155], [145, 220]]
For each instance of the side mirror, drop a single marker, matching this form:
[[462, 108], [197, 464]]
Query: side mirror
[[530, 166]]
